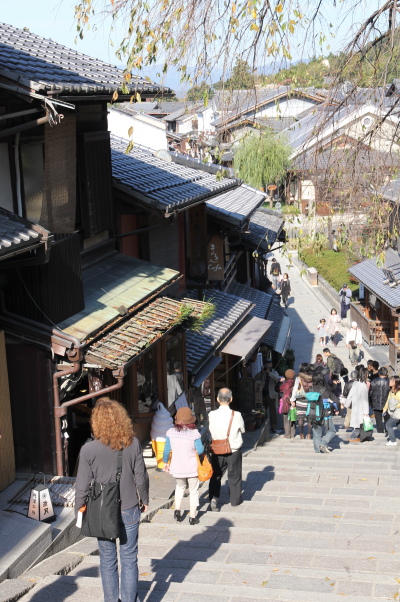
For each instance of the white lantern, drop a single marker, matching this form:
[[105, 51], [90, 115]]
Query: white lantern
[[40, 505]]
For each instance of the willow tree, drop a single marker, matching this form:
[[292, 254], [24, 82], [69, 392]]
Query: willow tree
[[262, 160]]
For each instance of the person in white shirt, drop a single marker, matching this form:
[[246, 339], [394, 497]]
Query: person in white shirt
[[218, 425], [353, 343]]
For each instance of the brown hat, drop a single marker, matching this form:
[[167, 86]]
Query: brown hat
[[289, 373], [184, 416]]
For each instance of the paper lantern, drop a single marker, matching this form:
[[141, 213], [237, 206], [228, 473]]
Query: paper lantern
[[40, 505]]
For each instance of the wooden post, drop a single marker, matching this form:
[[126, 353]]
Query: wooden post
[[396, 330]]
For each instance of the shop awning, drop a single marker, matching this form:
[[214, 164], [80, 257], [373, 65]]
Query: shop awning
[[247, 337], [112, 288], [284, 335], [122, 345], [205, 370]]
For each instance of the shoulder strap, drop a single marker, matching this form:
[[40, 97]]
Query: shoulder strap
[[119, 464], [230, 424]]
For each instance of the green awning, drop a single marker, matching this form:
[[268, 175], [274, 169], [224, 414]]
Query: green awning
[[112, 286]]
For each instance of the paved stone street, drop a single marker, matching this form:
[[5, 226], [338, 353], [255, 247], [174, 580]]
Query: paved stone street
[[312, 527], [306, 307]]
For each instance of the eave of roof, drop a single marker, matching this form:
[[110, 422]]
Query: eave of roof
[[116, 282], [124, 344], [17, 234], [236, 206], [164, 186], [44, 65], [368, 273]]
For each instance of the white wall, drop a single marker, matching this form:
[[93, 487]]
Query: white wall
[[147, 131], [285, 108]]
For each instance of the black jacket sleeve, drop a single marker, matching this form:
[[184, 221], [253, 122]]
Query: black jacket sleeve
[[140, 472]]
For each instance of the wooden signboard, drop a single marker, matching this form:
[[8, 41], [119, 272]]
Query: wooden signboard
[[215, 258], [246, 395]]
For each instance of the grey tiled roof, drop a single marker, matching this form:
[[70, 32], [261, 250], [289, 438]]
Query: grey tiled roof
[[266, 307], [373, 276], [391, 191], [16, 234], [123, 344], [230, 311], [236, 206], [275, 314], [264, 223], [46, 66], [261, 300], [165, 186]]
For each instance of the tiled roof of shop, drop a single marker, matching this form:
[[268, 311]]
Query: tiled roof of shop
[[236, 206], [373, 278], [261, 300], [275, 314], [230, 311], [266, 307], [123, 344], [48, 66], [165, 185], [118, 281], [16, 234], [265, 226]]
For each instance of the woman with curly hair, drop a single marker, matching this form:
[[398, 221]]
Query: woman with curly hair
[[112, 430], [184, 441]]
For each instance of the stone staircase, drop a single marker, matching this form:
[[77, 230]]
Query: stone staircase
[[312, 527]]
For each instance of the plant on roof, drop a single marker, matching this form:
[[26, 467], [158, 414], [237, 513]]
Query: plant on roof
[[262, 159], [193, 317]]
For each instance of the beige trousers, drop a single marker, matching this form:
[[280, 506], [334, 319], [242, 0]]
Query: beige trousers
[[180, 487]]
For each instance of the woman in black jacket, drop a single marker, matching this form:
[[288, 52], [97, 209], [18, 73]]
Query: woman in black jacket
[[112, 429], [285, 289], [378, 393]]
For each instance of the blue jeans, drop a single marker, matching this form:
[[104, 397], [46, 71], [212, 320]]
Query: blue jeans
[[391, 423], [128, 550], [323, 440]]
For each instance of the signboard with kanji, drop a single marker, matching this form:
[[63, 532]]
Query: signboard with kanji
[[215, 258]]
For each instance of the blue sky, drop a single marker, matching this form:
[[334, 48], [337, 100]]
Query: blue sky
[[55, 19]]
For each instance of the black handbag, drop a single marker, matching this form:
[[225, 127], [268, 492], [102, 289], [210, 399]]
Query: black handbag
[[103, 507]]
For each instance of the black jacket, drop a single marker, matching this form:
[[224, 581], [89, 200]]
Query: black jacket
[[347, 388], [378, 392]]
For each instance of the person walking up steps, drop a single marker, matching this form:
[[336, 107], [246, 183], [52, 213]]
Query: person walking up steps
[[219, 421], [358, 398]]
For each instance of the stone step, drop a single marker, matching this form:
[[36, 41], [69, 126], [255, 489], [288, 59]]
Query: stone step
[[288, 572], [273, 512], [232, 588]]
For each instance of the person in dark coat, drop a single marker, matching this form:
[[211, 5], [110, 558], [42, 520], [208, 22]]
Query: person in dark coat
[[285, 289], [378, 394], [321, 441]]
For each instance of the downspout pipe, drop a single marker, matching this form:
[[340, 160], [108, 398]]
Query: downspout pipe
[[60, 409]]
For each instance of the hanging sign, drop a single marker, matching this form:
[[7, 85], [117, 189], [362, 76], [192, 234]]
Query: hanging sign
[[215, 258]]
